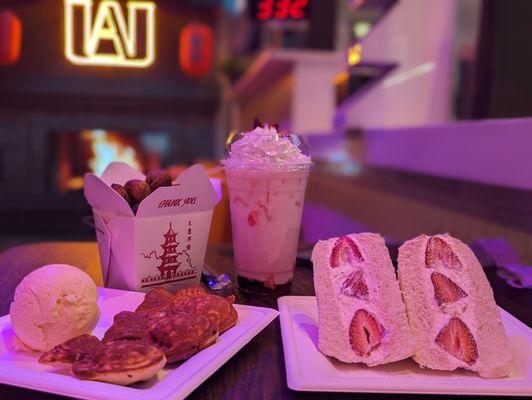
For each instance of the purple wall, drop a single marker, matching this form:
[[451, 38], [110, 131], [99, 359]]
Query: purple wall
[[496, 152]]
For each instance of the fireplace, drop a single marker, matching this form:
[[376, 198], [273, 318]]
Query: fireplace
[[43, 160], [72, 154]]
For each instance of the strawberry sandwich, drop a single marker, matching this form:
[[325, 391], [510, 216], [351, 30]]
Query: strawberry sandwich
[[451, 308], [361, 316]]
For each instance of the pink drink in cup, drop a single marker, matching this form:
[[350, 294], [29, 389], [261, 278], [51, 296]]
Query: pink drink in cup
[[267, 175]]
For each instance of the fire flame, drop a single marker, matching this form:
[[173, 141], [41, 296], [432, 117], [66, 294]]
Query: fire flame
[[106, 148]]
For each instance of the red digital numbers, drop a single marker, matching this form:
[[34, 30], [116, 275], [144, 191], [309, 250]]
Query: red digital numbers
[[265, 9], [298, 9], [281, 9]]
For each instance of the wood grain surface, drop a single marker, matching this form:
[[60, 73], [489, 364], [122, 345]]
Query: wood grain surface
[[257, 371]]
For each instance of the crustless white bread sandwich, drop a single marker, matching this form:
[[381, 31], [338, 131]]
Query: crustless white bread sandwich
[[361, 316], [451, 308]]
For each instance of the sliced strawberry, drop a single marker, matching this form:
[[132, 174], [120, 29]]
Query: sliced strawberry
[[440, 253], [253, 218], [457, 340], [355, 286], [345, 251], [445, 290], [365, 333]]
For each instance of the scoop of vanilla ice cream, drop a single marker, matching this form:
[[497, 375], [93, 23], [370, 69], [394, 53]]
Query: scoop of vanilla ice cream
[[53, 304]]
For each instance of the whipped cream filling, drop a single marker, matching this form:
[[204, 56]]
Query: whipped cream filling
[[348, 306], [265, 147]]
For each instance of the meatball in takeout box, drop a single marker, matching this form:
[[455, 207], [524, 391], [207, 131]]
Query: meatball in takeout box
[[157, 239]]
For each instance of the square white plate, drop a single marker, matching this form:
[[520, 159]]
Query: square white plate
[[307, 369], [171, 383]]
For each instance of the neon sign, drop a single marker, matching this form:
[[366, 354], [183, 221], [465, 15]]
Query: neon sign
[[109, 25]]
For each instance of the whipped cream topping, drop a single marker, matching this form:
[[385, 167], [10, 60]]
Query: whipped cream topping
[[265, 147]]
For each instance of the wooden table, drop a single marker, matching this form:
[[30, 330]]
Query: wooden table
[[258, 371]]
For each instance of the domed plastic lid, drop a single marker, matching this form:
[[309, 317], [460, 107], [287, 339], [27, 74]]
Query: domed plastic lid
[[267, 148]]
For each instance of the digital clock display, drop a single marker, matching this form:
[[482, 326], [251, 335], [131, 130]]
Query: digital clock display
[[279, 10]]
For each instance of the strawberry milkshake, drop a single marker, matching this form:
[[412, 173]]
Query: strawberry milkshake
[[266, 176]]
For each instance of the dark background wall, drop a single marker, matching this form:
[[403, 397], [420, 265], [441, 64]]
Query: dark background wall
[[504, 61], [44, 77]]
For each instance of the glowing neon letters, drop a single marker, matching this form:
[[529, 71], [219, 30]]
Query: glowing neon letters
[[109, 25]]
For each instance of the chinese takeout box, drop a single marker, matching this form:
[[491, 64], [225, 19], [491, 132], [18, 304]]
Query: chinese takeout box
[[164, 244]]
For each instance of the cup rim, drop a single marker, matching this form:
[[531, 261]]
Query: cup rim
[[234, 165]]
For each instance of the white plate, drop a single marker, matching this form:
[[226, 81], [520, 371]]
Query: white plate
[[170, 383], [307, 369]]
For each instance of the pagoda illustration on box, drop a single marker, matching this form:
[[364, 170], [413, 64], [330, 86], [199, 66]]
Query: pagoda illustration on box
[[174, 265], [169, 263]]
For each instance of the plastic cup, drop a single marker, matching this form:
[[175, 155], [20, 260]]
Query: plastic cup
[[266, 203]]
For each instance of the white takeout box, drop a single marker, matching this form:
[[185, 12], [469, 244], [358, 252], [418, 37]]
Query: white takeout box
[[165, 243]]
